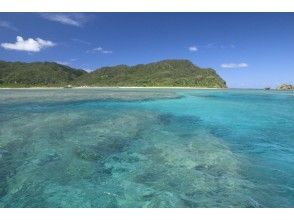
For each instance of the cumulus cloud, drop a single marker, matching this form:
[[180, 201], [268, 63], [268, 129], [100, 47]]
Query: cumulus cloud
[[234, 65], [30, 45], [99, 50], [193, 48], [7, 25], [73, 19]]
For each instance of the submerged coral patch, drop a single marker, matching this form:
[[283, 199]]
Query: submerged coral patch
[[163, 153]]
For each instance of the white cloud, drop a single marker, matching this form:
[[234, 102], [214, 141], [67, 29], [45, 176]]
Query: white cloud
[[193, 48], [234, 65], [218, 46], [88, 70], [68, 62], [31, 45], [99, 50], [7, 25], [73, 19], [106, 51], [62, 63], [80, 41], [210, 45]]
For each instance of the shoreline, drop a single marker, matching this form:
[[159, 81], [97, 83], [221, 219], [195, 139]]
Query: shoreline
[[113, 87], [135, 87]]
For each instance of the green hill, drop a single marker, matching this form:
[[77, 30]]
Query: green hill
[[164, 73], [19, 74]]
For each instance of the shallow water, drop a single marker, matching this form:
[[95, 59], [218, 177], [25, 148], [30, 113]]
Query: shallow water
[[146, 148]]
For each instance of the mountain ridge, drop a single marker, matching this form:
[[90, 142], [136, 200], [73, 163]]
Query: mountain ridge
[[164, 73]]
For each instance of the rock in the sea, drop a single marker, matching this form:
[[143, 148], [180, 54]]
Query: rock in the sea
[[286, 87]]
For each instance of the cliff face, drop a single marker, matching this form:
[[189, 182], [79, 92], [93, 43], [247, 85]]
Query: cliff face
[[286, 87], [181, 73]]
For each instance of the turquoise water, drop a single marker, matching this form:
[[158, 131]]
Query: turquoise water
[[146, 148]]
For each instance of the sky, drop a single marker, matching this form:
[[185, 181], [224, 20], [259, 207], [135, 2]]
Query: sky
[[248, 50]]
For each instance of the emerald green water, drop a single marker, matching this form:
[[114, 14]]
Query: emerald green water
[[146, 148]]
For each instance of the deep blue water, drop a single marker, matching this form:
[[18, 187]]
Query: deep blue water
[[153, 148]]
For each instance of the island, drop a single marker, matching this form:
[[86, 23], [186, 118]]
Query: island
[[166, 73], [285, 87]]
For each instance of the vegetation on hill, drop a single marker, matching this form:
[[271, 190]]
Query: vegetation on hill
[[171, 73], [37, 74]]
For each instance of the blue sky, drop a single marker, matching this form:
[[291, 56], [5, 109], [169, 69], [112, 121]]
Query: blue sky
[[249, 50]]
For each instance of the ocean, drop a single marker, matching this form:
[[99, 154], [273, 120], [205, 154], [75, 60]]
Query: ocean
[[146, 148]]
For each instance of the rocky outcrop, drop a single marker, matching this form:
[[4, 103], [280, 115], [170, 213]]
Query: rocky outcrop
[[286, 87]]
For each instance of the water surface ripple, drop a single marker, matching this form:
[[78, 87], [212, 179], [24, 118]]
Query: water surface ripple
[[146, 148]]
